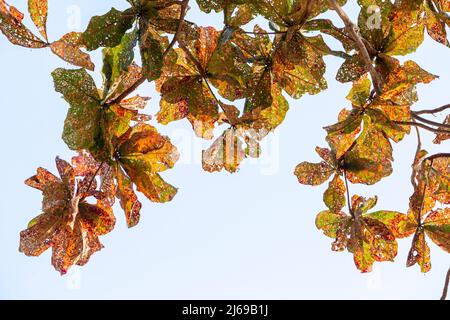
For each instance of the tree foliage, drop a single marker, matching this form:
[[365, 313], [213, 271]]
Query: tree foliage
[[202, 74]]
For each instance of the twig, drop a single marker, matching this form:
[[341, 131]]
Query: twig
[[93, 177], [376, 78], [423, 126], [445, 290], [433, 111], [348, 194], [433, 123]]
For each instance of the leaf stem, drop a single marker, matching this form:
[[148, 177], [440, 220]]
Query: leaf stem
[[423, 126], [376, 78], [446, 285], [433, 123], [348, 194]]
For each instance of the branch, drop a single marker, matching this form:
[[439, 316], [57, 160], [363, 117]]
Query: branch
[[433, 123], [421, 125], [141, 80], [445, 290], [376, 78], [433, 111]]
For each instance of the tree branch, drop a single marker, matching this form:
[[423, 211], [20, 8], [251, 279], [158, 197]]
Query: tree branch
[[421, 125], [376, 78], [433, 123], [433, 111], [445, 290]]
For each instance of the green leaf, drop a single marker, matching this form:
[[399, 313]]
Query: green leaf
[[334, 196], [108, 30], [82, 125], [117, 59]]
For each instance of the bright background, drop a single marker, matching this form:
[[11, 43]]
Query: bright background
[[249, 235]]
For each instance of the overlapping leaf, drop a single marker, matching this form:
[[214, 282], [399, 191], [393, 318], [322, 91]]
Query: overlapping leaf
[[68, 224], [367, 238]]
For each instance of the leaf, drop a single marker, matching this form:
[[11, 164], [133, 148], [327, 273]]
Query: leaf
[[38, 11], [151, 45], [440, 137], [331, 223], [360, 92], [434, 24], [439, 179], [342, 135], [419, 252], [69, 224], [227, 152], [370, 159], [437, 228], [69, 47], [128, 199], [299, 67], [407, 32], [12, 27], [116, 60], [143, 153], [352, 69], [368, 239], [399, 224], [334, 196], [82, 125], [108, 30], [313, 173], [375, 22]]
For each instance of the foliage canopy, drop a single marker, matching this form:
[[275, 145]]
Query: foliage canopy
[[201, 74]]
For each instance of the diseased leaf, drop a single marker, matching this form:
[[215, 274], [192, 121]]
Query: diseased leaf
[[69, 224], [419, 252], [407, 32], [116, 60], [69, 47], [313, 173], [128, 199], [108, 30], [368, 239], [12, 27], [38, 11], [82, 125], [334, 196], [143, 153]]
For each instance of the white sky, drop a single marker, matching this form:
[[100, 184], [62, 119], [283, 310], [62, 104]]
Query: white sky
[[250, 235]]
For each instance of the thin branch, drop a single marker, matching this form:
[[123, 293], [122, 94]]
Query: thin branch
[[433, 111], [433, 123], [447, 282], [184, 7], [423, 126], [376, 78], [93, 177], [264, 33]]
